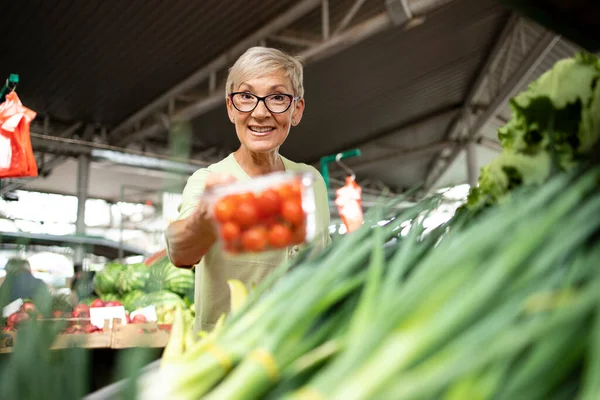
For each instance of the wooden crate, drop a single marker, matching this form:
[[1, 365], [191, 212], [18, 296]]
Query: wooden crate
[[140, 335]]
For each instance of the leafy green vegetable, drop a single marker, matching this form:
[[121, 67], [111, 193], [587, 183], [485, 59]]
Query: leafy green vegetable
[[554, 124]]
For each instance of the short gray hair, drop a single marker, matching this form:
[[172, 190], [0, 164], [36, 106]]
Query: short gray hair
[[259, 61]]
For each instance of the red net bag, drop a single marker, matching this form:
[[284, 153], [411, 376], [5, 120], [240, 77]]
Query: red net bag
[[349, 204], [16, 154]]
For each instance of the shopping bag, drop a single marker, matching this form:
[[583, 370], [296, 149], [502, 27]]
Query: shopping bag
[[349, 203], [16, 154]]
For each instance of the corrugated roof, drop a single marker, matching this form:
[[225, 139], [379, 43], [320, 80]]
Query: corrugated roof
[[382, 84], [100, 61]]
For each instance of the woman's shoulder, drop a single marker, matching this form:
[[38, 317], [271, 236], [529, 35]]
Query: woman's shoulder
[[225, 165], [298, 167]]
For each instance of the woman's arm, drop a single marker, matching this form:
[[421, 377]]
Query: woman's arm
[[191, 237]]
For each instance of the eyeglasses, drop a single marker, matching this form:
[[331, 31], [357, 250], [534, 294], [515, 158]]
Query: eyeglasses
[[275, 103]]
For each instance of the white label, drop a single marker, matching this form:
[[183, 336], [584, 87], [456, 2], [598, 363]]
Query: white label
[[12, 308], [148, 312], [99, 314]]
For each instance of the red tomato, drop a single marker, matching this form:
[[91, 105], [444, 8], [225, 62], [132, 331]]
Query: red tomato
[[247, 197], [81, 311], [292, 212], [28, 307], [113, 303], [230, 231], [139, 319], [280, 236], [246, 213], [97, 303], [57, 314], [255, 239], [224, 210], [285, 192], [20, 317], [290, 191], [299, 234], [10, 321], [269, 203], [296, 189]]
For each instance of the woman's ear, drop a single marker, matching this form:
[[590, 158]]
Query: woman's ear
[[298, 111], [230, 111]]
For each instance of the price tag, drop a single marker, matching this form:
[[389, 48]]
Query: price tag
[[148, 312], [99, 314], [12, 308]]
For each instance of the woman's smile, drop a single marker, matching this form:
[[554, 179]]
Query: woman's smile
[[261, 130]]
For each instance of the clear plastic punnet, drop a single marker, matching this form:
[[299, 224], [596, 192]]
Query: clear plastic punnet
[[267, 213]]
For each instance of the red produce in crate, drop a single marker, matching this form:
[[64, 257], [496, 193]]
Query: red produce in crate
[[97, 303], [28, 307]]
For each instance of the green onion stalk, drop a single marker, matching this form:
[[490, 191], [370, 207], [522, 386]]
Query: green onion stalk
[[274, 322], [449, 290], [287, 342]]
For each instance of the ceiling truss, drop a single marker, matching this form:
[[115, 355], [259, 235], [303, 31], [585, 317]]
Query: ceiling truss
[[205, 87], [467, 127]]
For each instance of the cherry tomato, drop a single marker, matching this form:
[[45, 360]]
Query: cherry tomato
[[247, 197], [298, 234], [285, 192], [255, 239], [290, 191], [224, 210], [269, 203], [296, 190], [246, 214], [292, 212], [230, 231], [280, 236]]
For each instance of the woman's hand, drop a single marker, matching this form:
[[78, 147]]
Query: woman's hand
[[190, 238]]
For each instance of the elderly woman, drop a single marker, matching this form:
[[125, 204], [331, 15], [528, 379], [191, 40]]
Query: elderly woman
[[265, 99]]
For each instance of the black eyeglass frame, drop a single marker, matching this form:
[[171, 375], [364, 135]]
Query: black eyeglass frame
[[259, 99]]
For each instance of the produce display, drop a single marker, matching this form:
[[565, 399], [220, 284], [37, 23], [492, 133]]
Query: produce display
[[159, 284], [133, 277], [505, 306], [67, 319], [554, 123], [268, 215]]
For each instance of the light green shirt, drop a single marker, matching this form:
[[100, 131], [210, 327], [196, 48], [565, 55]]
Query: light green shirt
[[216, 267]]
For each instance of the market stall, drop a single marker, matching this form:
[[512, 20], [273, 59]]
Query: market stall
[[492, 294]]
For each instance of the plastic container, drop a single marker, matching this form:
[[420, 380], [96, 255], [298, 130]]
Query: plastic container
[[267, 213]]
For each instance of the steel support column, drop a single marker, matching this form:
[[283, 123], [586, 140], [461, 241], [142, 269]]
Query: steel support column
[[471, 164], [83, 176]]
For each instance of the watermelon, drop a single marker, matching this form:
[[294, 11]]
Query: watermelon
[[110, 297], [105, 281], [164, 275], [161, 298], [130, 299], [133, 277]]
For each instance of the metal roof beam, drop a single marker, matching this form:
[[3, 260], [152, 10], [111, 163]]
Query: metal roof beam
[[349, 15], [465, 131], [408, 154]]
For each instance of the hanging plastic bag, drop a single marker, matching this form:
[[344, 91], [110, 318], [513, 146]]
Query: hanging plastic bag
[[16, 154], [349, 204]]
